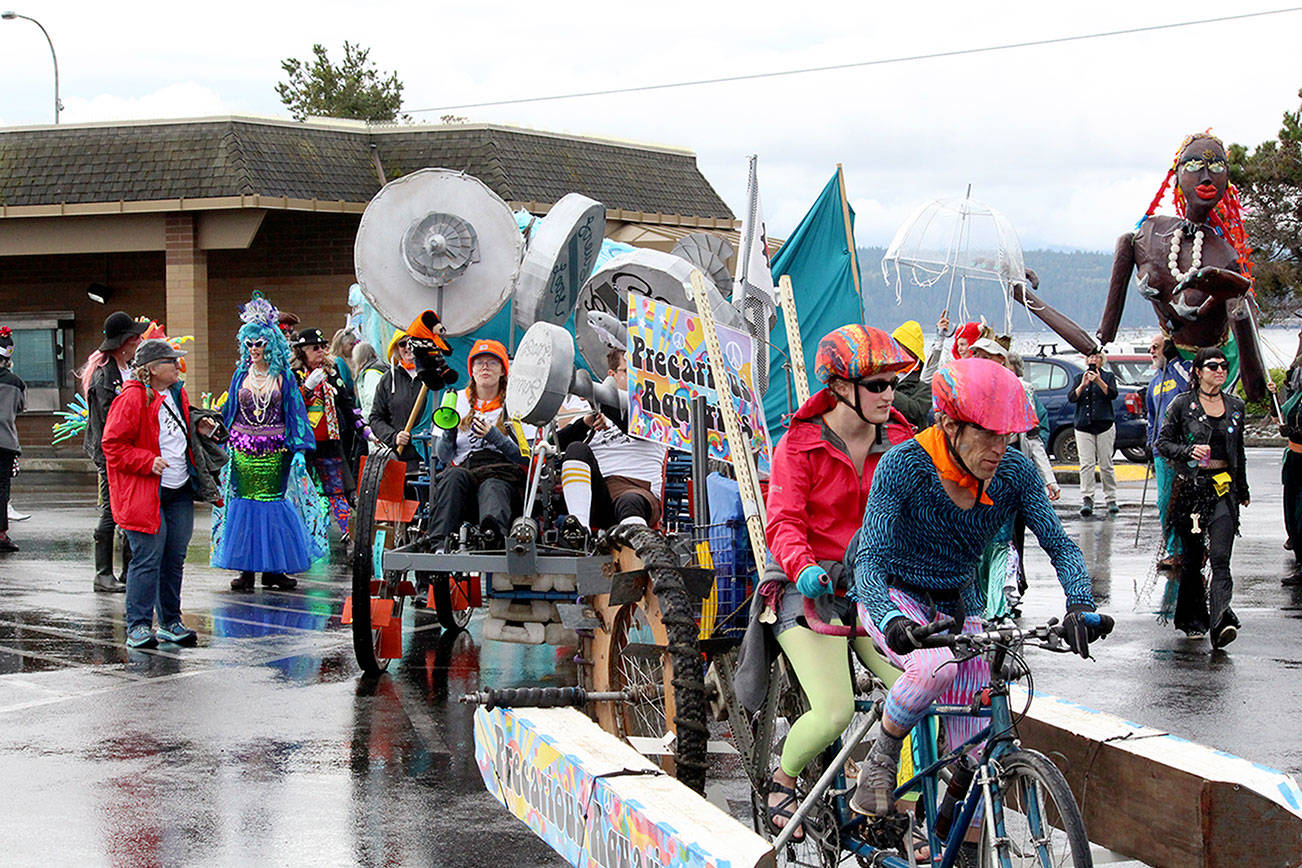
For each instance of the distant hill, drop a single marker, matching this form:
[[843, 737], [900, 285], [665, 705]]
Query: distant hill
[[1075, 282]]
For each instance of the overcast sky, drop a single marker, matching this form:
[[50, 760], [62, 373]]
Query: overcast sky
[[1070, 140]]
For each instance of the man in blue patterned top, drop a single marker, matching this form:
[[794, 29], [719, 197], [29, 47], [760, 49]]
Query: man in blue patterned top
[[935, 504]]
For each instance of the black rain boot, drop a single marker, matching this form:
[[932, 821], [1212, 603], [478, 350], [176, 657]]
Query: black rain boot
[[279, 581], [105, 581], [244, 582]]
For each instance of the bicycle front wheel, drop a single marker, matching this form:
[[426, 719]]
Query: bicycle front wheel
[[1043, 827]]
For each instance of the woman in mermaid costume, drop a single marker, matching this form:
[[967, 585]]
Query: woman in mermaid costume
[[273, 521]]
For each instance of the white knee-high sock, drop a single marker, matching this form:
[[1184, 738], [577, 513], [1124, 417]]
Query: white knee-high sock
[[576, 486]]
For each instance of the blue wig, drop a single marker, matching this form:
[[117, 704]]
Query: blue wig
[[259, 317]]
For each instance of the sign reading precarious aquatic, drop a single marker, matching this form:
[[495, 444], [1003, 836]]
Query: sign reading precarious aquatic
[[668, 367]]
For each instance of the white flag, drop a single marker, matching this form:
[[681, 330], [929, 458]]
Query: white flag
[[753, 258]]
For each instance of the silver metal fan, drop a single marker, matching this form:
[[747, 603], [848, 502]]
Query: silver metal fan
[[710, 253], [438, 240]]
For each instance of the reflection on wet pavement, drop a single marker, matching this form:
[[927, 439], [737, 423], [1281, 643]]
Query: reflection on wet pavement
[[263, 744], [260, 745]]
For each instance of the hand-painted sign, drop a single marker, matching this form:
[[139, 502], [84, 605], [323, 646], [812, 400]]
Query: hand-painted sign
[[668, 367], [597, 802]]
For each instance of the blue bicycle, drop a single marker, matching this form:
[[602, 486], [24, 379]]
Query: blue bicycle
[[1028, 816]]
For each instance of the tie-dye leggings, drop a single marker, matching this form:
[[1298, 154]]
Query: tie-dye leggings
[[930, 675]]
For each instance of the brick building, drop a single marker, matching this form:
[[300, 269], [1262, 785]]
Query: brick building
[[182, 220]]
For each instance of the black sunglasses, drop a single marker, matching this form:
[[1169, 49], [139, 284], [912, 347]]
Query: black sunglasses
[[879, 385], [1216, 366]]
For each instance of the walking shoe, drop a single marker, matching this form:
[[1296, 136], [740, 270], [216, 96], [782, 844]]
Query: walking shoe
[[279, 581], [6, 544], [1087, 506], [574, 535], [243, 582], [875, 794], [141, 636], [1113, 509], [178, 634], [1224, 636], [15, 515]]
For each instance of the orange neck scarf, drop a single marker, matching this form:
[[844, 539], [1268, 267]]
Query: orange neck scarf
[[488, 406], [933, 441]]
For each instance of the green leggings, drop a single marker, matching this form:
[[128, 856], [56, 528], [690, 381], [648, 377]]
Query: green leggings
[[822, 666]]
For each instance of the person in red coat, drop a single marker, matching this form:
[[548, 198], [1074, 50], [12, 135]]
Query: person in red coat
[[822, 471], [147, 458]]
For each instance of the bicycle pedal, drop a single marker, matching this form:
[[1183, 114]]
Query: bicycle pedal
[[887, 833]]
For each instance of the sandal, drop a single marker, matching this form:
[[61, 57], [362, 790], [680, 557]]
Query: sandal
[[784, 809]]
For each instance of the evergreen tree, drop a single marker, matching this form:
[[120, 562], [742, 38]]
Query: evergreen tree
[[352, 89], [1270, 183]]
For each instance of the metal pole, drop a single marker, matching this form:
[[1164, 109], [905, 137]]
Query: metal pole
[[1149, 470], [10, 16]]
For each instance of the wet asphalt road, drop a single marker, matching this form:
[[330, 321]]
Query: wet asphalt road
[[264, 745]]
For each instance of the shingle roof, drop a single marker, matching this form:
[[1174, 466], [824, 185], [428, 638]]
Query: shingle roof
[[233, 156]]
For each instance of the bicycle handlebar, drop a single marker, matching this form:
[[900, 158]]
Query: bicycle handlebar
[[818, 625]]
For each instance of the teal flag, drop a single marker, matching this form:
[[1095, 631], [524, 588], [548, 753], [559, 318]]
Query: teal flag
[[818, 262]]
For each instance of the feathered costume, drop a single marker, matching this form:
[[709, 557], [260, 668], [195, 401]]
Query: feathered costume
[[273, 519]]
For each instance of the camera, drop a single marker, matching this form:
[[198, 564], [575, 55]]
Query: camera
[[1094, 368]]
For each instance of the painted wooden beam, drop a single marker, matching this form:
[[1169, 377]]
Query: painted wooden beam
[[598, 802]]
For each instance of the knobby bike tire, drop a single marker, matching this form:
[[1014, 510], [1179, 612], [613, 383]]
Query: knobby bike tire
[[672, 618], [366, 641], [1022, 773]]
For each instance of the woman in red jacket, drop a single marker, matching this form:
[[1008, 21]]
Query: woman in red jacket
[[146, 451], [822, 470]]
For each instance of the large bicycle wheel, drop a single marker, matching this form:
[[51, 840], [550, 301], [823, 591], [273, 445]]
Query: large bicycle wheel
[[652, 643], [365, 531], [1043, 827]]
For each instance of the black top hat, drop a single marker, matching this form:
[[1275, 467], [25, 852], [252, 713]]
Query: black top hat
[[308, 338], [118, 328]]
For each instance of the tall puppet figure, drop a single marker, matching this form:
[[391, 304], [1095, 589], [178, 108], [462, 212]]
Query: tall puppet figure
[[1195, 267], [273, 522]]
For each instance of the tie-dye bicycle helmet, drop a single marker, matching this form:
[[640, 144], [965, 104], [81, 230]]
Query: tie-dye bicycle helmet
[[983, 393], [855, 351]]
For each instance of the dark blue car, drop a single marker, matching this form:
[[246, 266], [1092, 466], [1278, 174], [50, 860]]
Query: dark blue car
[[1052, 376]]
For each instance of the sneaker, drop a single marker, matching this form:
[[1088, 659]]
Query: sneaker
[[874, 796], [178, 634], [1224, 636], [1087, 506], [141, 636], [1113, 509], [6, 544], [15, 515]]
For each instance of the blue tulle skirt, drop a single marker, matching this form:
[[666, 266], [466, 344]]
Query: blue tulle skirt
[[262, 536]]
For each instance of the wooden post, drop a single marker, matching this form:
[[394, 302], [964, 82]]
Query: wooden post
[[787, 301], [849, 235]]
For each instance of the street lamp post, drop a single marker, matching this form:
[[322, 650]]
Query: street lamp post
[[10, 16]]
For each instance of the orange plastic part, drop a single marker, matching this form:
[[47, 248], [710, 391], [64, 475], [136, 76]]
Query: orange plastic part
[[391, 640]]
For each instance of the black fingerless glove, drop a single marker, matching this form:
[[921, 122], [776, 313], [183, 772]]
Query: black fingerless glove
[[898, 637]]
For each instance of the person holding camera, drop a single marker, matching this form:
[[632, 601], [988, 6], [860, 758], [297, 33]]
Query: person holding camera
[[394, 399], [1096, 433]]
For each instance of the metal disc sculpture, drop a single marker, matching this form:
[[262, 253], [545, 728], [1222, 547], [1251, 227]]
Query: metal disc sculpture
[[562, 252], [438, 240]]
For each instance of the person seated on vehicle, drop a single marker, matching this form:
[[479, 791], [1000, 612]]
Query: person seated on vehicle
[[935, 504], [394, 399], [608, 477], [484, 474], [822, 470]]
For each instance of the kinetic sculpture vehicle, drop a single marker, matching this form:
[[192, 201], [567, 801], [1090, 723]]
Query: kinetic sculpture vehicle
[[441, 251]]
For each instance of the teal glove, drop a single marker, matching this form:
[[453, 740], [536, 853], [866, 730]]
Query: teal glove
[[813, 581]]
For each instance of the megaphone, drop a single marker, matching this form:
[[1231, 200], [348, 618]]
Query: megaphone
[[446, 416]]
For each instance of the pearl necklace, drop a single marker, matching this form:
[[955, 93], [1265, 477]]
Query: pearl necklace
[[260, 392], [1195, 255]]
